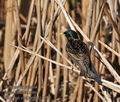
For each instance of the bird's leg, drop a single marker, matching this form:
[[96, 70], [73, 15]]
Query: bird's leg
[[72, 70], [98, 57], [90, 46]]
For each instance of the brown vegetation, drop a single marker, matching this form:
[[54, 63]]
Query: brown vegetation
[[34, 65]]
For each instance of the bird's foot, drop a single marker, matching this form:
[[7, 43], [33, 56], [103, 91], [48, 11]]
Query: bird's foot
[[90, 46]]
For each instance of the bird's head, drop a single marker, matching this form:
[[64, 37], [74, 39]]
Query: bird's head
[[70, 34]]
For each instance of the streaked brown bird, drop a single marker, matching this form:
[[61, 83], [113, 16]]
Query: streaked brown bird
[[79, 53]]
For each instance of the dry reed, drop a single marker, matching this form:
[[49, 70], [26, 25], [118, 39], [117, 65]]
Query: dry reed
[[36, 67]]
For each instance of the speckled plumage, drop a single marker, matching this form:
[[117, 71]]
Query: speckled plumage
[[80, 55]]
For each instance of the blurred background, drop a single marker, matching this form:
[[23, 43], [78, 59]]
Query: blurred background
[[34, 65]]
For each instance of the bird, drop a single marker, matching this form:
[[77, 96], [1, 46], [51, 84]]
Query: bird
[[79, 53]]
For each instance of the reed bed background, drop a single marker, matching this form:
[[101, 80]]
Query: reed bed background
[[34, 66]]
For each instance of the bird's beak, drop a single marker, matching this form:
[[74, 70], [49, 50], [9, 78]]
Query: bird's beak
[[61, 34], [65, 33]]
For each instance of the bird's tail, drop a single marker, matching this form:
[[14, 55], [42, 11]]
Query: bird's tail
[[97, 78]]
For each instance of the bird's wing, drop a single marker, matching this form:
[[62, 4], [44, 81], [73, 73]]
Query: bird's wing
[[86, 66], [78, 59]]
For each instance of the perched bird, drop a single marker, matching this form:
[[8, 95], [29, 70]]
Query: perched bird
[[79, 53]]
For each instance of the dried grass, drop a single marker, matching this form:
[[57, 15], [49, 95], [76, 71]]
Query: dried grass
[[36, 65]]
